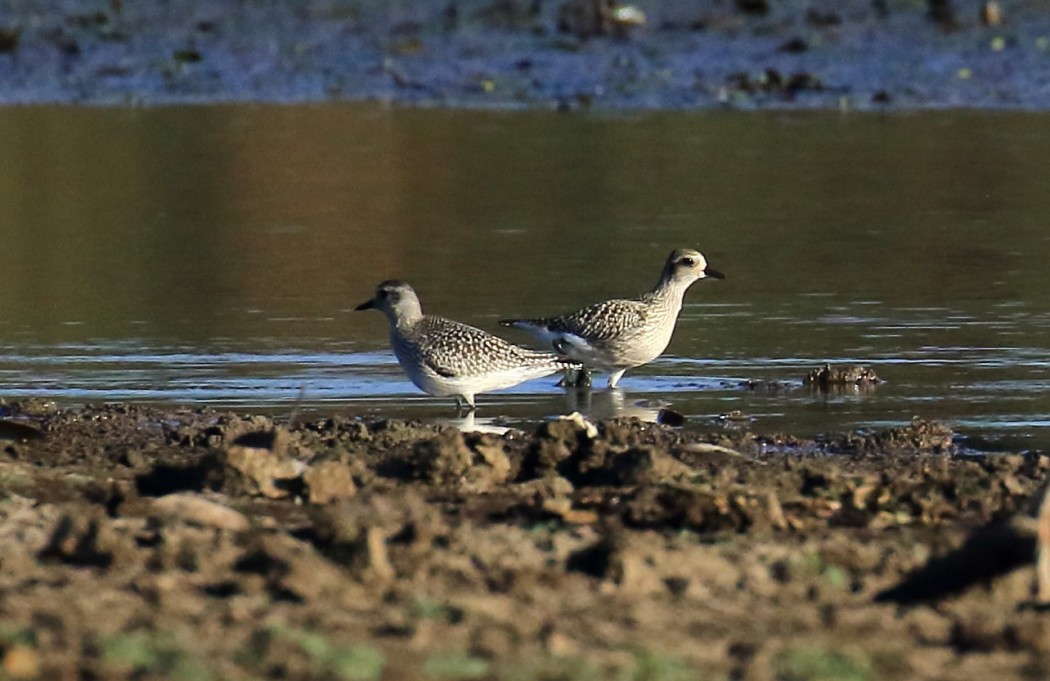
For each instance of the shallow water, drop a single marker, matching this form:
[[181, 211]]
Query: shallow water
[[215, 254]]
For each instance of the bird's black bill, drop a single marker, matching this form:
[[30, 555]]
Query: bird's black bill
[[367, 305], [714, 274]]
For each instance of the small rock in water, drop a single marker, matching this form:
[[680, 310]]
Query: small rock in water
[[829, 375]]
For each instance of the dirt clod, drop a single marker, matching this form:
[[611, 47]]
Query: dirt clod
[[264, 465], [329, 481]]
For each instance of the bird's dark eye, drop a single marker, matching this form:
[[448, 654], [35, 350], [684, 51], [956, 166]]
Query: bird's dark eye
[[688, 262]]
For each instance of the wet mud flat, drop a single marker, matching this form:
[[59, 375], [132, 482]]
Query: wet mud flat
[[193, 544], [520, 54]]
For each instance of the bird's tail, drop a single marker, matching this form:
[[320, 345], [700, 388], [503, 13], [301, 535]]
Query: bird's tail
[[546, 359]]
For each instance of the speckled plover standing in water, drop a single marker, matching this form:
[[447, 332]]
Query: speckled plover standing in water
[[617, 335], [446, 358]]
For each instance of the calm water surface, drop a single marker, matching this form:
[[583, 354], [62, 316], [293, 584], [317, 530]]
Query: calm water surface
[[214, 255]]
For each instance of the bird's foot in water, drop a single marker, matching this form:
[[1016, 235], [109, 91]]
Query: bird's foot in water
[[464, 406], [575, 378]]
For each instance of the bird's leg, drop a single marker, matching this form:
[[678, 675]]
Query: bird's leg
[[464, 404], [576, 378], [573, 378], [614, 378]]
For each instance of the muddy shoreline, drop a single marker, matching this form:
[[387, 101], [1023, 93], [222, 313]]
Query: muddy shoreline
[[529, 54], [148, 543]]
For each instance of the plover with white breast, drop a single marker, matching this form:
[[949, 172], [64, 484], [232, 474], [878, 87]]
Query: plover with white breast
[[446, 358], [617, 335]]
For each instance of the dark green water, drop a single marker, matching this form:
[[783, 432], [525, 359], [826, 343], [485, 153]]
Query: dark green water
[[214, 254]]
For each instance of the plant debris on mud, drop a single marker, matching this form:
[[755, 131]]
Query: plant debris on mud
[[150, 543]]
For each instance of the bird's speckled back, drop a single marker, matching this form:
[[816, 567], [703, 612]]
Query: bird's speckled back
[[452, 348]]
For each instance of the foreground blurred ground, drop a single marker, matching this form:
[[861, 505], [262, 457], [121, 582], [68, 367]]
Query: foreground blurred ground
[[530, 53], [153, 544]]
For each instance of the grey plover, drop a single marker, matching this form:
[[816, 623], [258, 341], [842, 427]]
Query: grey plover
[[617, 335], [446, 358]]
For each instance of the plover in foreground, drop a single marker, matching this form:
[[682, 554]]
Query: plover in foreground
[[617, 335], [446, 358]]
